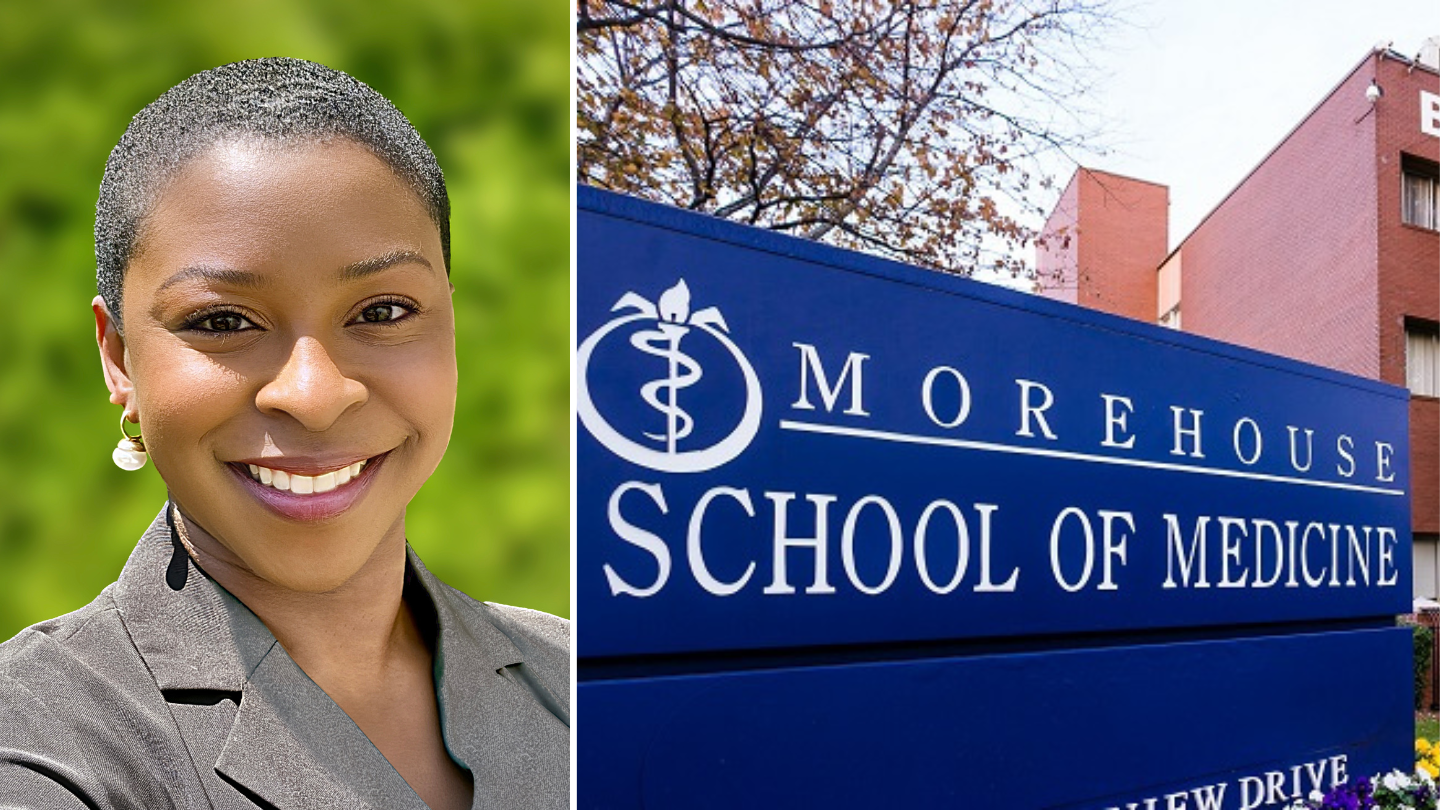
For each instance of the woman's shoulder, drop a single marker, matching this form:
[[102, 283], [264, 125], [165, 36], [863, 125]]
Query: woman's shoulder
[[534, 627], [539, 636], [76, 701], [534, 633], [85, 656], [93, 636]]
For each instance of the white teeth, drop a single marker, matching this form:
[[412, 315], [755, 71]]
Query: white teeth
[[306, 484]]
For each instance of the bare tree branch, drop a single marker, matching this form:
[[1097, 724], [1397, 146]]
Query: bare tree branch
[[910, 128]]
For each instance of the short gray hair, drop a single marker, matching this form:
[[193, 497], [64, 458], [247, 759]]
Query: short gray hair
[[274, 98]]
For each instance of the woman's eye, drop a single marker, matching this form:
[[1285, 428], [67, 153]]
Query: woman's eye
[[224, 322], [380, 313]]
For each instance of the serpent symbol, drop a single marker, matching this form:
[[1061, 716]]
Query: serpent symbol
[[672, 320], [684, 372]]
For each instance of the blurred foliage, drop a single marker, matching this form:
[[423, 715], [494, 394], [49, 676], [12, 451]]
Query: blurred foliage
[[485, 82]]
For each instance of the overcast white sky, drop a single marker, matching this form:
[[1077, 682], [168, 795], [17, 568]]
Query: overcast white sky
[[1196, 92]]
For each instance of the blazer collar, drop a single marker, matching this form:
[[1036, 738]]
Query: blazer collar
[[196, 637], [463, 633], [290, 744], [494, 723]]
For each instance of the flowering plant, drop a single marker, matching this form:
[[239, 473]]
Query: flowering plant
[[1427, 757], [1395, 790]]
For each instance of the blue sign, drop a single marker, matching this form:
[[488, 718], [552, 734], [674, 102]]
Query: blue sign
[[1236, 724], [791, 455]]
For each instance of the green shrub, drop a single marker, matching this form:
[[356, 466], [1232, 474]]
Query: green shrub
[[1424, 644]]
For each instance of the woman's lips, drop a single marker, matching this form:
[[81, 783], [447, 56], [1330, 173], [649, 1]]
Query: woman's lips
[[318, 495]]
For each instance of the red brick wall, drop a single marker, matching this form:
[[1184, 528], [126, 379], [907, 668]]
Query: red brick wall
[[1425, 464], [1409, 257], [1287, 263], [1409, 261], [1118, 230], [1124, 236]]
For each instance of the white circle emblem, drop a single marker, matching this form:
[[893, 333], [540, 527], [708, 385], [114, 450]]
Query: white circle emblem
[[673, 321]]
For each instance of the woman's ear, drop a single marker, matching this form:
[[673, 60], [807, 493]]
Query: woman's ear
[[113, 359]]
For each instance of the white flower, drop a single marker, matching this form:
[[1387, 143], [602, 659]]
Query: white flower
[[1395, 781]]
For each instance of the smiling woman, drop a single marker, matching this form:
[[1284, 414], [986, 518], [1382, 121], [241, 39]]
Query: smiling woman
[[275, 314]]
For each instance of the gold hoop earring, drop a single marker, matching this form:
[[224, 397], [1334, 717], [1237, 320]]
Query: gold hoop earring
[[129, 454]]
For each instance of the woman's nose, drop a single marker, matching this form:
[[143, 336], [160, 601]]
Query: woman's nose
[[311, 388]]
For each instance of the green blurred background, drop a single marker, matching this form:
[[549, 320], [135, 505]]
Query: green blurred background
[[485, 81]]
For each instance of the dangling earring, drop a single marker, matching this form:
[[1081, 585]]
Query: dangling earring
[[129, 454]]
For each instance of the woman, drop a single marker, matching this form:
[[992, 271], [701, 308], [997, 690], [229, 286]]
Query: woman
[[274, 313]]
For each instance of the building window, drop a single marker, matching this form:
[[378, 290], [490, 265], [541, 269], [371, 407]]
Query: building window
[[1420, 192], [1422, 358], [1171, 318], [1427, 566]]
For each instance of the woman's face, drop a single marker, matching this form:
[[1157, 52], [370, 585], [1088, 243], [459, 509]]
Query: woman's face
[[289, 347]]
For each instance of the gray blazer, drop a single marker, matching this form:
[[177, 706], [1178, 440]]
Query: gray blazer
[[167, 692]]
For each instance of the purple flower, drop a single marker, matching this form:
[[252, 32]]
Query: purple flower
[[1357, 795]]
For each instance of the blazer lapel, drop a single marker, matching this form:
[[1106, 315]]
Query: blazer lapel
[[293, 747], [493, 724], [191, 632], [289, 743]]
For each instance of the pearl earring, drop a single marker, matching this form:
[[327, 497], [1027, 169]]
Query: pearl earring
[[129, 454]]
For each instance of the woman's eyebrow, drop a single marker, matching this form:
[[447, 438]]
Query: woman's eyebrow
[[226, 275], [242, 278], [366, 267]]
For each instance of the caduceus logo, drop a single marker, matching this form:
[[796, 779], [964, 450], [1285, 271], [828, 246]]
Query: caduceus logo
[[672, 323]]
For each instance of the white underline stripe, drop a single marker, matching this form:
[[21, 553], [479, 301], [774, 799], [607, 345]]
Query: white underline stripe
[[965, 444]]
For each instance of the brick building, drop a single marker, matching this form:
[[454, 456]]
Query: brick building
[[1327, 252]]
